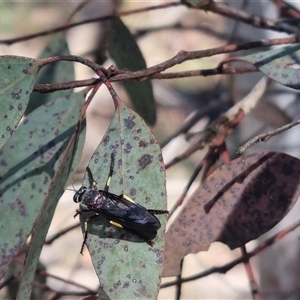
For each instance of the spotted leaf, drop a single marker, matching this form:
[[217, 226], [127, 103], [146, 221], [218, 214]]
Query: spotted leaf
[[17, 78], [280, 64], [126, 265], [236, 204]]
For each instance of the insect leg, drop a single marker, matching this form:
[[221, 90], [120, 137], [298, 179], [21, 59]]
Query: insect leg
[[111, 170], [116, 224], [157, 211], [126, 198], [149, 242], [86, 230], [79, 211]]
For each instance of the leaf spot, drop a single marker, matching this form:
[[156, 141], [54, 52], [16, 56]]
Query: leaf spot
[[143, 144], [145, 160], [127, 148], [9, 130], [3, 163], [16, 95], [132, 192], [129, 123], [106, 140]]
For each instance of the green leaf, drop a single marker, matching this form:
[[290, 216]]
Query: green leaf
[[17, 78], [29, 162], [126, 265], [282, 65], [53, 73], [44, 219], [127, 55]]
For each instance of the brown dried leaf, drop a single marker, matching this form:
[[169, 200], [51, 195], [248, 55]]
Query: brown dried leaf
[[237, 203]]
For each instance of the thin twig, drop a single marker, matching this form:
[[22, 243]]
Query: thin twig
[[205, 72], [48, 275], [219, 8], [79, 8], [70, 282], [49, 88], [225, 10], [60, 294], [186, 189], [154, 72], [179, 283], [213, 105], [250, 273], [287, 8], [213, 136], [60, 233], [264, 137], [183, 56]]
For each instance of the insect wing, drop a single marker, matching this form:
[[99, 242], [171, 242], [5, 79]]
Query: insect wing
[[130, 215], [144, 224]]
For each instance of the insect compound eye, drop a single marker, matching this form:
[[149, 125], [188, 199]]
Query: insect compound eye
[[78, 195]]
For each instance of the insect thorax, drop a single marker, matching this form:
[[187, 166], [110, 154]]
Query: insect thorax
[[93, 198]]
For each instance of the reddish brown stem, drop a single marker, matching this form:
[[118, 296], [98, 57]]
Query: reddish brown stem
[[249, 271]]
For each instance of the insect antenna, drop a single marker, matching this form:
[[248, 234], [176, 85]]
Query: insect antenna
[[73, 190], [157, 211], [92, 181], [111, 170]]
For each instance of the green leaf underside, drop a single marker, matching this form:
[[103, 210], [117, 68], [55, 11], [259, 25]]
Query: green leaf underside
[[282, 65], [41, 226], [43, 221], [17, 78], [126, 265], [28, 163], [54, 73], [246, 198], [127, 55]]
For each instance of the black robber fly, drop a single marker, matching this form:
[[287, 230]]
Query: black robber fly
[[120, 210]]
